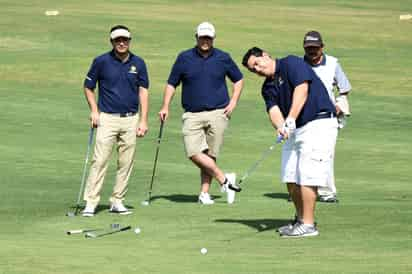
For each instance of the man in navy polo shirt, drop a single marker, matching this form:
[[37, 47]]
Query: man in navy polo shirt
[[202, 70], [123, 86], [300, 109]]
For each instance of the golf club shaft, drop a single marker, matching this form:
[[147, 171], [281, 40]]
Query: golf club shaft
[[89, 144], [159, 138], [265, 154], [114, 231]]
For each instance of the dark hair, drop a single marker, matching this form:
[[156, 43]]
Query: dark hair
[[255, 51], [119, 27]]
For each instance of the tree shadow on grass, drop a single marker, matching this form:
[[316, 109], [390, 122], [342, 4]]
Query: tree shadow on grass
[[180, 198], [259, 225]]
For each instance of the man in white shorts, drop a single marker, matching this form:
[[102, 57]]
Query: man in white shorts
[[303, 114], [328, 69]]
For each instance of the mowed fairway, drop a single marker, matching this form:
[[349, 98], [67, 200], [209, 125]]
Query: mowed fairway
[[44, 131]]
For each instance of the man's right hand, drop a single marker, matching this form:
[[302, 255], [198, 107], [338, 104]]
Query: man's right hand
[[94, 119], [288, 128], [164, 114]]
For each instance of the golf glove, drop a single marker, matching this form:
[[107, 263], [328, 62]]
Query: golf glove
[[289, 126]]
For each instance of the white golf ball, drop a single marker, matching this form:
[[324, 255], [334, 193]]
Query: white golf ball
[[137, 230], [203, 251], [145, 203]]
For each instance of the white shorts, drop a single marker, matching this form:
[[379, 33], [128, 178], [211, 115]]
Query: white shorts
[[307, 155]]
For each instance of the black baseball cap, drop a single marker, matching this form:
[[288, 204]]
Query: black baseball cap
[[312, 39]]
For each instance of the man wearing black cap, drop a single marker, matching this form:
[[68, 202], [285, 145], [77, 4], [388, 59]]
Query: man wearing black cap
[[123, 87], [328, 69]]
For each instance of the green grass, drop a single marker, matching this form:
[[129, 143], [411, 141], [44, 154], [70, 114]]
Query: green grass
[[44, 132]]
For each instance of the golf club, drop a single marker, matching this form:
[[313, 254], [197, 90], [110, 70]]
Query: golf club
[[94, 235], [265, 154], [89, 145], [159, 138], [78, 231]]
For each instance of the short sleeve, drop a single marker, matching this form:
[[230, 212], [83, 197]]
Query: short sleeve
[[143, 77], [269, 95], [298, 71], [92, 76], [175, 76], [232, 70], [341, 80]]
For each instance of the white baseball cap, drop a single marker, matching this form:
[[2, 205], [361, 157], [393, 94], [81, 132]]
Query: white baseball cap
[[206, 29]]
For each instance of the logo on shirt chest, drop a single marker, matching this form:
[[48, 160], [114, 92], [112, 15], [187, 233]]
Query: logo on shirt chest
[[133, 69], [280, 81]]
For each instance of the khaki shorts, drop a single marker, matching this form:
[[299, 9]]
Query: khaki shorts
[[204, 131]]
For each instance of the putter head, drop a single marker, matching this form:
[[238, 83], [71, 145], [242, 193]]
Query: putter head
[[90, 235]]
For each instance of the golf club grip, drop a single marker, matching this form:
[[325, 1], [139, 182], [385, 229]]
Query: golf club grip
[[279, 139], [160, 131], [77, 231]]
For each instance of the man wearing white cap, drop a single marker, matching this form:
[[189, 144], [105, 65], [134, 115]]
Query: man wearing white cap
[[202, 70], [119, 116]]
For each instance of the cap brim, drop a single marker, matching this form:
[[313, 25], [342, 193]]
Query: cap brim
[[120, 33], [312, 44], [205, 34]]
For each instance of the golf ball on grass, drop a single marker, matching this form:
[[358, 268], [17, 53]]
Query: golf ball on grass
[[203, 251], [137, 230], [145, 203]]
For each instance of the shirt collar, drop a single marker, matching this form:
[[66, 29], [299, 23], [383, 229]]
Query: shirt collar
[[196, 52], [277, 68], [113, 55], [322, 63]]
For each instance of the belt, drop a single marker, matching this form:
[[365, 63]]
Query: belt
[[324, 115], [125, 114]]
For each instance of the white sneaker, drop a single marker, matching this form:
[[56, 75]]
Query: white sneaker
[[119, 208], [230, 193], [204, 198], [88, 211]]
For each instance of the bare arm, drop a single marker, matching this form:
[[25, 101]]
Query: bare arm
[[237, 90], [167, 98], [300, 95], [276, 117], [299, 98], [144, 109], [94, 110]]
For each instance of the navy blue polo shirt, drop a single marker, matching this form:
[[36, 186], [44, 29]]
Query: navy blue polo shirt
[[292, 71], [118, 82], [204, 79]]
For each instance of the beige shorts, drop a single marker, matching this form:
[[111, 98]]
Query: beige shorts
[[204, 131]]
